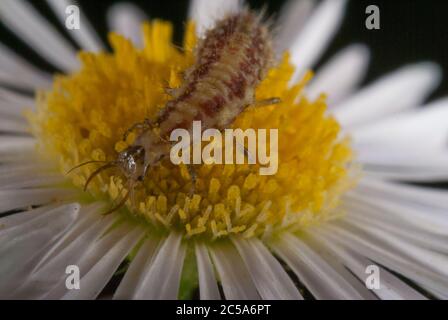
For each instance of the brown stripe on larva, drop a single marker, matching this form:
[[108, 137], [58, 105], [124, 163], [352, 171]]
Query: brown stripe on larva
[[230, 62], [208, 52]]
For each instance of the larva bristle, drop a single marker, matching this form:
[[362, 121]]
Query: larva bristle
[[262, 14], [269, 22]]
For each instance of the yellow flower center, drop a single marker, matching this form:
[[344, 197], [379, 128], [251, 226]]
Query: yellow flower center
[[86, 114]]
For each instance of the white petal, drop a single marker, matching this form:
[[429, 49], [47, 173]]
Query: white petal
[[91, 255], [17, 72], [126, 19], [235, 278], [426, 257], [408, 173], [21, 198], [391, 287], [271, 280], [21, 254], [341, 75], [27, 23], [13, 104], [411, 195], [45, 273], [24, 244], [27, 180], [361, 213], [162, 280], [85, 231], [39, 221], [319, 277], [403, 89], [208, 287], [10, 172], [135, 272], [403, 165], [85, 36], [431, 218], [205, 13], [422, 130], [13, 220], [307, 48], [12, 124], [335, 263], [15, 147], [11, 168], [293, 17], [96, 278], [376, 250]]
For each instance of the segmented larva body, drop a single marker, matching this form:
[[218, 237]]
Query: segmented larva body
[[231, 60]]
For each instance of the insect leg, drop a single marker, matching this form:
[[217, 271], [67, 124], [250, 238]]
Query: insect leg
[[170, 91], [130, 189], [193, 175], [243, 149], [143, 126], [266, 102]]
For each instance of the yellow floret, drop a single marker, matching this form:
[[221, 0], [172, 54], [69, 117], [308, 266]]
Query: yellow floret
[[85, 115]]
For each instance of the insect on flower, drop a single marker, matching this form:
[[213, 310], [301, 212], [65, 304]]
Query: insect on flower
[[231, 60]]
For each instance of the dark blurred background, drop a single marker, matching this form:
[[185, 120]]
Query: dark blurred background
[[411, 30]]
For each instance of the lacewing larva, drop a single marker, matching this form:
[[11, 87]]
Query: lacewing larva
[[230, 61]]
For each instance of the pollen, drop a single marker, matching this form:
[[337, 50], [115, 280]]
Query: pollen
[[85, 114]]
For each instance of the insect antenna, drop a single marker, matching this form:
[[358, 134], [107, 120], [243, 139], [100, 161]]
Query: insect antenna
[[84, 164], [97, 171]]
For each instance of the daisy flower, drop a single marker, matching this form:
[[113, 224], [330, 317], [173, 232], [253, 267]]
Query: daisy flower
[[337, 206]]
